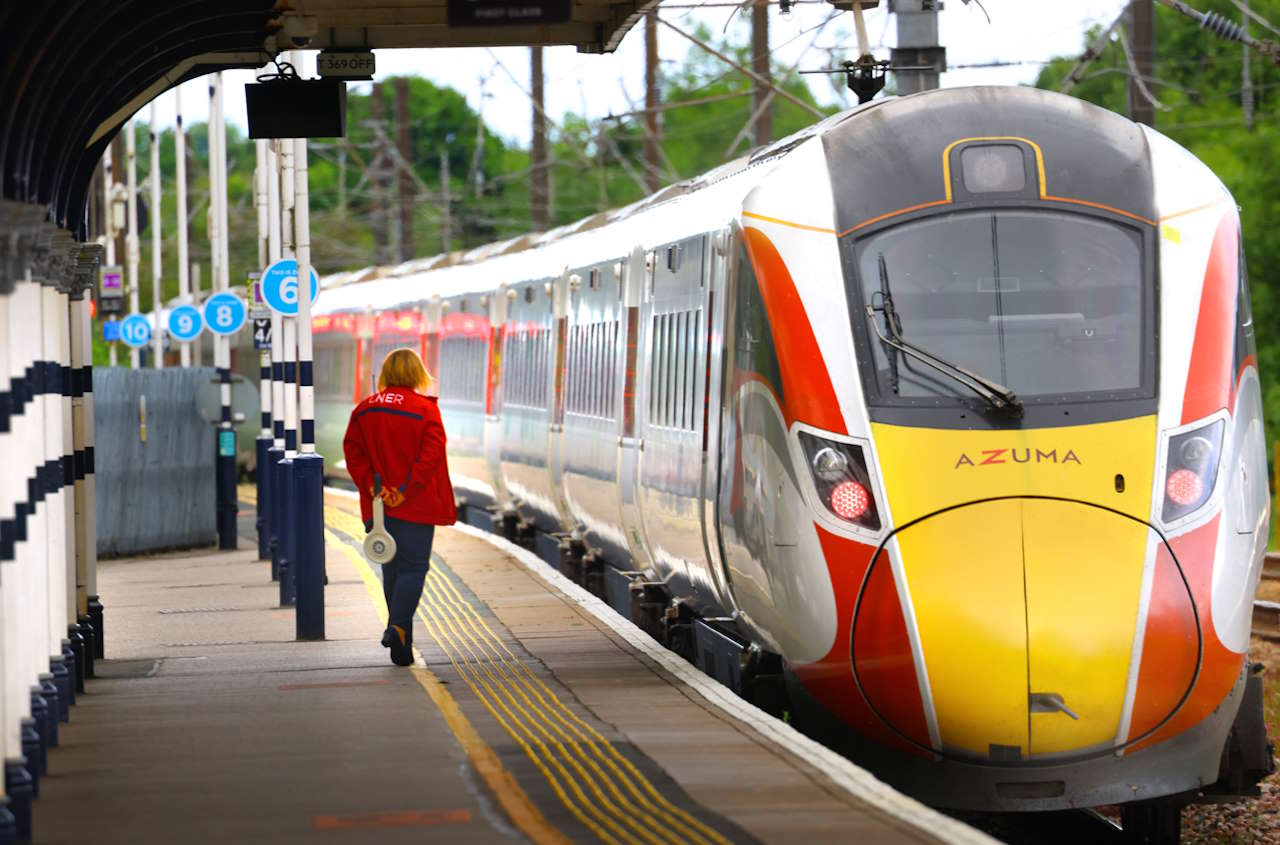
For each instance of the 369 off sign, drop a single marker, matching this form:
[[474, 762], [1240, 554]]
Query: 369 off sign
[[280, 286]]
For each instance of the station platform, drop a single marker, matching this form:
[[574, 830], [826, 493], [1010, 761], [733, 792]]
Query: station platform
[[532, 713]]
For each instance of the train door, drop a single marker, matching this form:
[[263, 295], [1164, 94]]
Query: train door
[[719, 264], [461, 374], [671, 461], [526, 366], [589, 404], [496, 308], [636, 304]]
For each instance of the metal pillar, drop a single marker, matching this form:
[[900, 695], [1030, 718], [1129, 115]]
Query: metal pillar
[[180, 161], [917, 46], [131, 226], [275, 454], [263, 444], [108, 224], [762, 98], [227, 506], [1141, 109], [308, 466], [285, 490], [539, 174], [157, 266]]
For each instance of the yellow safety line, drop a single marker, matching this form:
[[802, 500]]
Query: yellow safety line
[[665, 805], [472, 678], [538, 717], [552, 780], [521, 810], [687, 827]]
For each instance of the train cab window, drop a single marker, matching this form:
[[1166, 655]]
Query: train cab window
[[1052, 305]]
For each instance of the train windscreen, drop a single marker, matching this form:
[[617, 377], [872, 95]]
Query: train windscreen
[[1052, 305]]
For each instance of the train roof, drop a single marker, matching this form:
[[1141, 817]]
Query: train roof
[[714, 199]]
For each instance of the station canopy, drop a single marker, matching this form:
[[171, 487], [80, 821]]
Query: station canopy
[[75, 71]]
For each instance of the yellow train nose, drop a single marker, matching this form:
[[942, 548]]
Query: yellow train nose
[[1026, 610]]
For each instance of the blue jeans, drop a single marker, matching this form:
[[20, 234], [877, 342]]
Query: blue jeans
[[403, 577]]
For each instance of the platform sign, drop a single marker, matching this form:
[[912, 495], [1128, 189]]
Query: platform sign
[[261, 332], [510, 12], [185, 323], [111, 290], [111, 331], [342, 64], [280, 286], [224, 313], [253, 295], [135, 331]]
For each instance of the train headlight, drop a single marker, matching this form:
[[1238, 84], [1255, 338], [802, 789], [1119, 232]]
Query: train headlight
[[830, 465], [840, 477], [1191, 468]]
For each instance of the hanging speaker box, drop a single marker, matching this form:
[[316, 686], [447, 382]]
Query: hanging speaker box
[[297, 108]]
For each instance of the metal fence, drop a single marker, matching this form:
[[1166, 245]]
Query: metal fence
[[155, 466]]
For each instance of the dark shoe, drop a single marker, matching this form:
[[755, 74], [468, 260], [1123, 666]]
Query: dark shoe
[[401, 647]]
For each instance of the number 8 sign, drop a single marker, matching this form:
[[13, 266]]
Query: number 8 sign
[[224, 313]]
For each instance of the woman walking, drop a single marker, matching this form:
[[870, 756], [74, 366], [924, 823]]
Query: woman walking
[[397, 435]]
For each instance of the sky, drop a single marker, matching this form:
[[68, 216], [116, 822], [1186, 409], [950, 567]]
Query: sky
[[495, 81]]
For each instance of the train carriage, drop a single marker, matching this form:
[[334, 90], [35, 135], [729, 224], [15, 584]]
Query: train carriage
[[938, 421]]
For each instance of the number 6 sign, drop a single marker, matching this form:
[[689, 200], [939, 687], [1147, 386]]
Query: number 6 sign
[[224, 313], [280, 286]]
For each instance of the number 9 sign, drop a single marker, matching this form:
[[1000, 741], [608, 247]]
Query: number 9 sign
[[280, 286], [185, 323], [224, 313]]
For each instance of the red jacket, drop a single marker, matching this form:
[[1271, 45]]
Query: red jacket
[[397, 433]]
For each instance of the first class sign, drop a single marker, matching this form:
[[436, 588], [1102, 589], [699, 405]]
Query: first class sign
[[345, 65], [510, 12]]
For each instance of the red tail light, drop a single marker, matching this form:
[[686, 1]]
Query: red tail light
[[1184, 487], [850, 500]]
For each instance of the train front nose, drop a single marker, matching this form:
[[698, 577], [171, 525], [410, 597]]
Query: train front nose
[[1025, 610], [1023, 567]]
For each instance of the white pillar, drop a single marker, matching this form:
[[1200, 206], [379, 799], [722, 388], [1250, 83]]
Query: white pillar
[[131, 239], [36, 565], [10, 456], [52, 313], [67, 307], [302, 246], [157, 266], [180, 152]]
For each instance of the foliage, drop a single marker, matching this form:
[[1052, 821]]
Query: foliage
[[1199, 79]]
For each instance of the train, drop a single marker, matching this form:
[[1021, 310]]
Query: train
[[934, 427]]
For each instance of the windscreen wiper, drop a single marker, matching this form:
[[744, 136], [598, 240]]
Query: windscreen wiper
[[997, 396]]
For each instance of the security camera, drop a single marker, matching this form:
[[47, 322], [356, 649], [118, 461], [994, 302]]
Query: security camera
[[298, 30]]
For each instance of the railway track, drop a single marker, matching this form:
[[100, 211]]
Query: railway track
[[1271, 566], [1266, 620]]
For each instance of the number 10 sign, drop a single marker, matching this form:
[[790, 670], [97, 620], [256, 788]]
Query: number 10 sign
[[280, 286]]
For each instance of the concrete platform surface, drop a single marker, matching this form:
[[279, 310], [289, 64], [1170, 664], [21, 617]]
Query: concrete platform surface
[[528, 717]]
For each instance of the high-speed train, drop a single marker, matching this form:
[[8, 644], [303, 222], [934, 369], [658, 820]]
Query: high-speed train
[[936, 426]]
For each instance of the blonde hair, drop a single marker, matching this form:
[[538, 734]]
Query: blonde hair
[[403, 368]]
